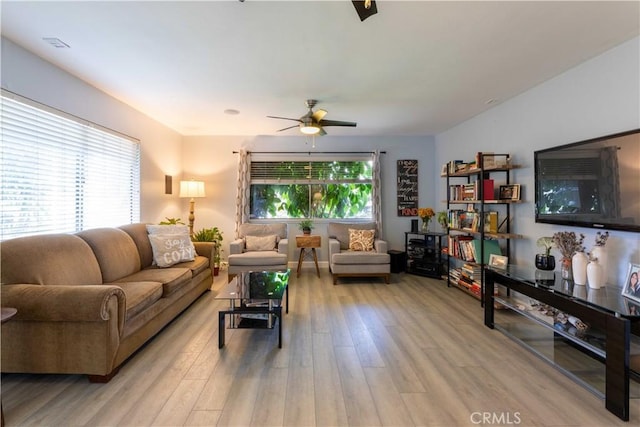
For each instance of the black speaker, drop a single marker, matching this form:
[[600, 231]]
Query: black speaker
[[414, 225]]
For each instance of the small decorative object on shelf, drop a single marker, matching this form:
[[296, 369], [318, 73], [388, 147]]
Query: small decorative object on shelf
[[594, 274], [426, 214], [600, 253], [567, 244], [545, 261], [579, 263]]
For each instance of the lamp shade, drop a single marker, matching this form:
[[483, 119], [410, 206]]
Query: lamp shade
[[192, 188]]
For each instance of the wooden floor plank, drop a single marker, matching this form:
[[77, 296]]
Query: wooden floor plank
[[413, 352]]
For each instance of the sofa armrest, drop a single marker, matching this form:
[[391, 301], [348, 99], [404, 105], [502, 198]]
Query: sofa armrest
[[283, 246], [206, 249], [334, 247], [236, 247], [64, 303], [380, 246]]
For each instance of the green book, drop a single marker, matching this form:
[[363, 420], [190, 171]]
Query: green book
[[490, 247]]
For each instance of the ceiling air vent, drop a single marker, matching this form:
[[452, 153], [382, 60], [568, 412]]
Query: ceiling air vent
[[56, 42]]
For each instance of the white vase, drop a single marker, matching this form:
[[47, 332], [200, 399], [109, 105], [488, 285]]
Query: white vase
[[579, 263], [602, 255], [594, 275]]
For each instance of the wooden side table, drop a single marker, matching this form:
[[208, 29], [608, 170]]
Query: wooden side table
[[308, 245], [7, 313]]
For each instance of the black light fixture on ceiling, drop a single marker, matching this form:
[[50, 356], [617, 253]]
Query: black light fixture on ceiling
[[365, 8]]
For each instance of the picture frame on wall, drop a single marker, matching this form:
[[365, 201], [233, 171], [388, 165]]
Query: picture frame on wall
[[510, 192], [498, 261], [631, 288]]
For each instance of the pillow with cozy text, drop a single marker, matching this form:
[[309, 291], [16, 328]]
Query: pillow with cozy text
[[170, 249]]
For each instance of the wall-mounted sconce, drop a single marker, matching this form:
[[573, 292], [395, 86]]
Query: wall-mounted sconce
[[168, 184]]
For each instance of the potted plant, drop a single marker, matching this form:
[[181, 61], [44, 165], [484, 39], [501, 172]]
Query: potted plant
[[172, 221], [545, 261], [213, 235], [443, 219], [306, 225]]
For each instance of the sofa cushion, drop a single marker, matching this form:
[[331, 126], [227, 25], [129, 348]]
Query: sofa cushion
[[115, 251], [260, 243], [340, 231], [258, 258], [171, 278], [138, 232], [197, 266], [361, 240], [170, 249], [360, 258], [139, 296], [62, 259]]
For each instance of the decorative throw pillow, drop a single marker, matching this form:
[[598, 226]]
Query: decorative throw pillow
[[168, 229], [170, 249], [260, 243], [361, 240]]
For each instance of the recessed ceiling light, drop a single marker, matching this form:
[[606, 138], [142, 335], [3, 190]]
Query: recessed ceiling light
[[56, 42], [231, 112]]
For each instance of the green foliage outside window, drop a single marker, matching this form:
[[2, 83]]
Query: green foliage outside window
[[277, 190]]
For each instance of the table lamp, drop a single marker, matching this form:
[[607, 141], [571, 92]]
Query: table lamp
[[191, 189]]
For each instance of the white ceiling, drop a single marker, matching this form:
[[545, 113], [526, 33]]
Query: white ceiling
[[415, 68]]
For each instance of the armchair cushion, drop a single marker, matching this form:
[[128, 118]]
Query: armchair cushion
[[260, 243], [340, 231], [361, 240]]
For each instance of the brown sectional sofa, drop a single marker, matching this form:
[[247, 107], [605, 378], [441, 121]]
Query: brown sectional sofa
[[88, 301]]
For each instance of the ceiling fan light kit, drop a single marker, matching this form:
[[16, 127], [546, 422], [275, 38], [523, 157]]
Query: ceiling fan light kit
[[312, 123]]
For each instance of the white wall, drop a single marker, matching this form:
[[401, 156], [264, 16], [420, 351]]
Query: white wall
[[161, 148], [596, 98], [211, 159]]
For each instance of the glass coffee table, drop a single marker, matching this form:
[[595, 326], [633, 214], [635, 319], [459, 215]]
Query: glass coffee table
[[255, 302]]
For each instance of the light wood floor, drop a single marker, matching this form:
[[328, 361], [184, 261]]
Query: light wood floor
[[360, 353]]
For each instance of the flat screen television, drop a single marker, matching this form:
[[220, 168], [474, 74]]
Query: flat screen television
[[593, 183]]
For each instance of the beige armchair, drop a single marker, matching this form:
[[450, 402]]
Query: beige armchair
[[259, 247], [354, 257]]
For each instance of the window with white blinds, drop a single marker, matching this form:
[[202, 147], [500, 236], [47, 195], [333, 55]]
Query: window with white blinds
[[63, 175]]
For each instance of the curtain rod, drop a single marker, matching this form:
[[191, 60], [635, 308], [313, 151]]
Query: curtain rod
[[311, 152]]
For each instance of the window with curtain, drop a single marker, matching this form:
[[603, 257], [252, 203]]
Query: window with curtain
[[61, 175], [311, 189]]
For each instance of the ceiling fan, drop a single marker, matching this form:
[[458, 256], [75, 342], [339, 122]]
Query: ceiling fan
[[312, 123], [365, 8]]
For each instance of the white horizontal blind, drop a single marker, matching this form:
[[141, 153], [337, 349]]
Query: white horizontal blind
[[293, 172], [60, 175]]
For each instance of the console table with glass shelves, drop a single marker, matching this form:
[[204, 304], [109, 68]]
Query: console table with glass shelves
[[613, 327]]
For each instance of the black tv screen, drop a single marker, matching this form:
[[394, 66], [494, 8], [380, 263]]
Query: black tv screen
[[593, 183]]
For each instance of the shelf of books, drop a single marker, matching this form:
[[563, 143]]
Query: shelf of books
[[482, 227]]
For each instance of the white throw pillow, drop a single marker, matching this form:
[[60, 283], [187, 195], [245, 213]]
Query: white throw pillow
[[260, 243], [168, 229], [170, 249]]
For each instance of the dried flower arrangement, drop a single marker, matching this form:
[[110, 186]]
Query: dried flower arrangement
[[601, 238], [568, 243]]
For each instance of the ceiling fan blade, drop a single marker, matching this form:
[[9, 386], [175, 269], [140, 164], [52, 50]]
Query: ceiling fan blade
[[290, 127], [337, 123], [363, 11], [283, 118], [319, 115], [321, 132]]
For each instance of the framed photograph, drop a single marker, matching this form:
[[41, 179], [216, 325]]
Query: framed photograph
[[498, 261], [631, 288], [510, 192], [634, 308]]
